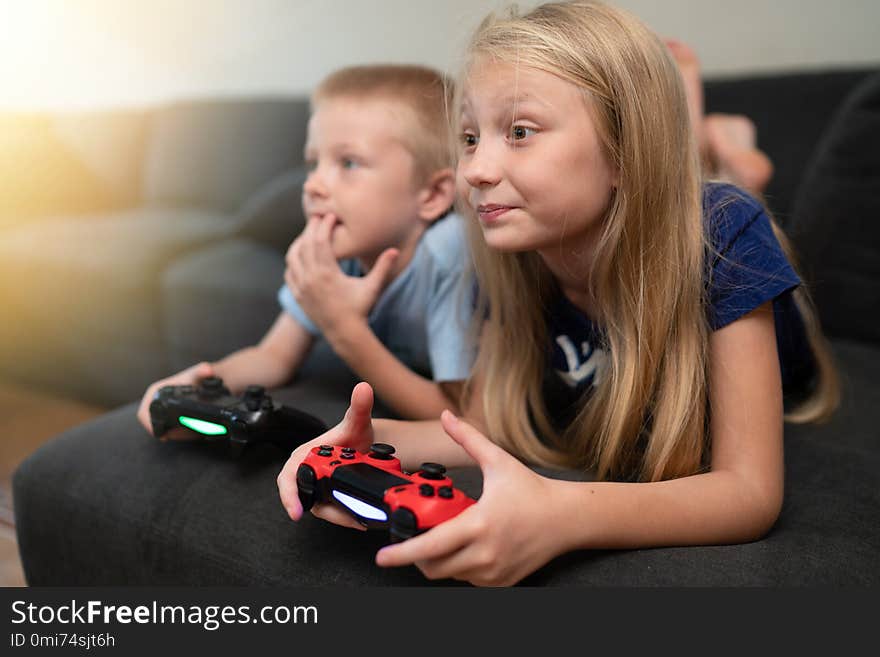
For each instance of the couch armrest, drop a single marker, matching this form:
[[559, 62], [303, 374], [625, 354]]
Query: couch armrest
[[69, 164]]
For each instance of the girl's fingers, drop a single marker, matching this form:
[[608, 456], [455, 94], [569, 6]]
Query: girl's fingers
[[439, 542], [332, 513]]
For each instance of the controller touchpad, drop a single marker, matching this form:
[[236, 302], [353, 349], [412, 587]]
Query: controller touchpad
[[361, 484]]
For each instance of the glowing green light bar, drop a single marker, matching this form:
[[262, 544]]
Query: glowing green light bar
[[207, 428]]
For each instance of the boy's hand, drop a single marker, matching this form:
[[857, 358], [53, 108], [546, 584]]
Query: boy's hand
[[325, 293], [188, 377], [355, 430]]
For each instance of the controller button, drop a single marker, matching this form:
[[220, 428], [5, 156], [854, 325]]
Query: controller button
[[335, 462], [325, 446], [252, 404], [212, 383], [186, 390], [325, 452], [254, 391], [445, 492], [381, 451], [433, 471], [426, 490], [348, 450], [347, 455]]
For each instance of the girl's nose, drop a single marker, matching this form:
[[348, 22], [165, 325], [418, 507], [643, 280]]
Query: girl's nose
[[481, 168]]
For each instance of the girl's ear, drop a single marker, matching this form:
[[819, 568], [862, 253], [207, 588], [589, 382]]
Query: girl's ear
[[436, 195]]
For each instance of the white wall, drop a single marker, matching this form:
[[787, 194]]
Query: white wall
[[86, 53]]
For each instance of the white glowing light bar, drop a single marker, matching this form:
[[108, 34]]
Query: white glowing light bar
[[360, 507]]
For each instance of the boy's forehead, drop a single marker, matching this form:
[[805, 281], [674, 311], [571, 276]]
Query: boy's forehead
[[350, 117]]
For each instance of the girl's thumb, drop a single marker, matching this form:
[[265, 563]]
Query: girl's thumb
[[480, 448]]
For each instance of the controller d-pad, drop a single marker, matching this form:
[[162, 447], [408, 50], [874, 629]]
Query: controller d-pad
[[445, 492], [426, 490]]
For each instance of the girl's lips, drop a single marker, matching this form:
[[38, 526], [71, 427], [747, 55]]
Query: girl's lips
[[489, 213]]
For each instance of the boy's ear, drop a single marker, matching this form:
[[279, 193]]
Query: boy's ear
[[437, 195]]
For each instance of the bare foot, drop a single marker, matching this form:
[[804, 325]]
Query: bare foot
[[733, 153]]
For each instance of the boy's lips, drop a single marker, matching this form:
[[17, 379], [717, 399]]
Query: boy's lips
[[490, 212]]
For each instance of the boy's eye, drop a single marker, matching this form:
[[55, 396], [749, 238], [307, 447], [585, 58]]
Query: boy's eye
[[348, 163], [468, 140]]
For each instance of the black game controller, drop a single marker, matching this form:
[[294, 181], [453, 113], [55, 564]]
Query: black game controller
[[211, 411]]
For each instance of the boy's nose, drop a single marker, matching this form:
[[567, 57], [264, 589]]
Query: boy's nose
[[481, 169], [314, 185]]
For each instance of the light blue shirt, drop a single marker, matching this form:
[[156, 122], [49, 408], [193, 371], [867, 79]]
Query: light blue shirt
[[423, 316]]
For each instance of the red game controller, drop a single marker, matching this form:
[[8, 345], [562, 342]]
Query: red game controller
[[374, 489]]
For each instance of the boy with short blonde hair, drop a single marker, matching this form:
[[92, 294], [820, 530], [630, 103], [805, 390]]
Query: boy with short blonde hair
[[377, 270]]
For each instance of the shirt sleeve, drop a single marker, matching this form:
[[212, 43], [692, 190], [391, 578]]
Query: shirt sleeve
[[451, 348], [747, 265], [292, 308]]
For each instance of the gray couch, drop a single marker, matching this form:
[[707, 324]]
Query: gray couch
[[131, 296]]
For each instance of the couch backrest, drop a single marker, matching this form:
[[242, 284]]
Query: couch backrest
[[836, 222], [214, 154]]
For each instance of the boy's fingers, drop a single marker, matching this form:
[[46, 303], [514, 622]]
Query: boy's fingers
[[358, 417], [381, 271]]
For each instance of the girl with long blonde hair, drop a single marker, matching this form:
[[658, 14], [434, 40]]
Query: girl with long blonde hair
[[636, 322]]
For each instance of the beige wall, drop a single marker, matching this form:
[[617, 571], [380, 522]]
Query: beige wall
[[85, 53]]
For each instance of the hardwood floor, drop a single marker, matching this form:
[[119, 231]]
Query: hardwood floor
[[28, 418]]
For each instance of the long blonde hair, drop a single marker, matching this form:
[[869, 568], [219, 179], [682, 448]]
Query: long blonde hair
[[649, 415]]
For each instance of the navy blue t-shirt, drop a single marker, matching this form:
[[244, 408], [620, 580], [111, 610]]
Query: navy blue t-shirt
[[746, 268]]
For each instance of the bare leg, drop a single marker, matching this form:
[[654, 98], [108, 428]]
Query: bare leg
[[727, 142]]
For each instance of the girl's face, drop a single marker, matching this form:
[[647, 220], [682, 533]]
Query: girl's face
[[531, 166]]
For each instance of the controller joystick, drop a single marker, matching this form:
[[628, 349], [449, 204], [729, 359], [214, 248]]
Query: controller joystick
[[432, 471], [213, 413], [374, 489], [381, 451]]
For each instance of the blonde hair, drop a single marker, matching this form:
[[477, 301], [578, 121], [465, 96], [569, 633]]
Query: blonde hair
[[648, 417], [422, 94]]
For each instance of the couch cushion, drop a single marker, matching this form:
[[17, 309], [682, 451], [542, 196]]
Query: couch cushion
[[216, 153], [219, 299], [835, 222], [82, 293]]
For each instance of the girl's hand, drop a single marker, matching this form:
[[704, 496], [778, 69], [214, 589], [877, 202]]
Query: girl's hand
[[188, 377], [508, 534], [355, 430], [327, 295]]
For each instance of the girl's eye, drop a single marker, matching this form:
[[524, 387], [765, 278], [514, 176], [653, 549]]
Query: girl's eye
[[520, 132]]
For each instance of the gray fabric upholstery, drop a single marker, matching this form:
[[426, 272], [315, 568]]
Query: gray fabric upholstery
[[235, 145], [836, 218], [219, 299], [273, 214]]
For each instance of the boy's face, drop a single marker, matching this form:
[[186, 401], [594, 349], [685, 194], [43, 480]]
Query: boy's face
[[363, 175]]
